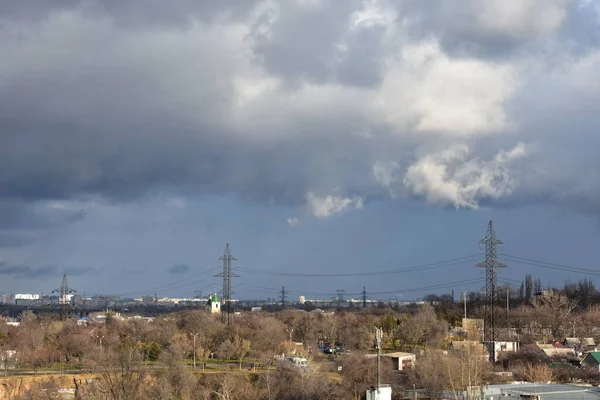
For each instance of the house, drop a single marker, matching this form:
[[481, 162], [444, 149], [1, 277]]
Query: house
[[470, 346], [581, 346], [501, 347], [551, 350], [592, 360], [473, 328]]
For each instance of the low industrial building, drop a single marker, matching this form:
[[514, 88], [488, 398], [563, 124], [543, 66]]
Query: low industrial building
[[402, 361], [533, 391]]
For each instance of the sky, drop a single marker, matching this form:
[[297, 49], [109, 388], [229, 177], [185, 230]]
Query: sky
[[369, 138]]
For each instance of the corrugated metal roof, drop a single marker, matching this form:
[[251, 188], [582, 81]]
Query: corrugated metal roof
[[544, 391]]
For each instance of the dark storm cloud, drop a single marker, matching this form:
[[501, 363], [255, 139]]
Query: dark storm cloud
[[80, 271], [179, 269], [129, 14], [8, 239], [301, 42], [581, 27], [22, 271], [26, 272], [489, 28], [119, 99], [362, 62]]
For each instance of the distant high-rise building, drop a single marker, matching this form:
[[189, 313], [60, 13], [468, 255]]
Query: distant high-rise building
[[302, 299], [7, 298]]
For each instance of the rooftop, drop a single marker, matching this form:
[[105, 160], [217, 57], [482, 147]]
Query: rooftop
[[545, 391]]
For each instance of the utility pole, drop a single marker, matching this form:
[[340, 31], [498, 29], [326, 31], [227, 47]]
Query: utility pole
[[194, 335], [227, 258], [283, 297], [63, 299], [364, 297], [490, 244], [465, 301], [507, 312], [378, 335]]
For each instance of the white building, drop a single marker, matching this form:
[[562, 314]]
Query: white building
[[24, 296], [500, 347], [383, 393], [401, 360], [214, 305]]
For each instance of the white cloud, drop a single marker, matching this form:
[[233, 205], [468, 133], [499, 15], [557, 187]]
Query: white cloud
[[450, 177], [430, 92], [293, 222], [521, 18], [385, 174], [373, 13], [326, 206]]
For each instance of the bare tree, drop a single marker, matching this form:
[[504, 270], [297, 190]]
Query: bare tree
[[241, 347]]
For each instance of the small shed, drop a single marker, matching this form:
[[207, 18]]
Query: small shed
[[592, 360], [402, 360]]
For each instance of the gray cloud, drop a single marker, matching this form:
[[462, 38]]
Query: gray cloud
[[153, 14], [26, 272], [80, 271], [23, 271], [178, 269], [271, 101], [486, 28], [14, 239]]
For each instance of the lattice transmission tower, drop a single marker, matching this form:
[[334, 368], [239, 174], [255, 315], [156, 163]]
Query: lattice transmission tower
[[227, 258], [340, 296], [490, 244], [283, 297], [63, 298], [364, 297]]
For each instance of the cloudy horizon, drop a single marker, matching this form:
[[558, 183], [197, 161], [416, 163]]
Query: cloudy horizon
[[315, 136]]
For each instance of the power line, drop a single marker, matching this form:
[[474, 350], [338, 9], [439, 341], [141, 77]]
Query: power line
[[432, 287], [439, 264], [168, 285], [256, 289], [549, 265]]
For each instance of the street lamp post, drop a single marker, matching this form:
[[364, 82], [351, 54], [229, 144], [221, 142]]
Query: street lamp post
[[194, 335], [290, 332], [100, 339]]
